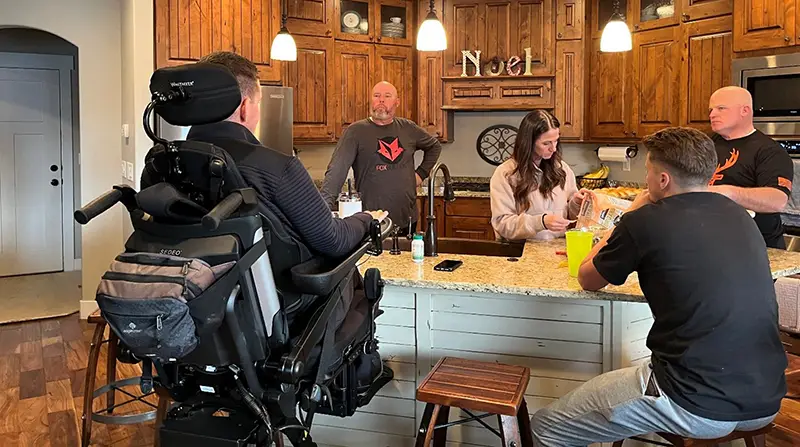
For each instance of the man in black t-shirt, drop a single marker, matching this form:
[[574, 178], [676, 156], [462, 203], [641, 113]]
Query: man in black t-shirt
[[753, 170], [717, 363]]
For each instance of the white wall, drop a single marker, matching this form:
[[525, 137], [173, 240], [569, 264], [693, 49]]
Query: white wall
[[94, 27], [138, 64]]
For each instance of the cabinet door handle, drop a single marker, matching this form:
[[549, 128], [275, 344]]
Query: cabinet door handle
[[559, 35], [685, 17], [786, 38], [633, 133]]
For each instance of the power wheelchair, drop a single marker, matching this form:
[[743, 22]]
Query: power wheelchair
[[252, 356]]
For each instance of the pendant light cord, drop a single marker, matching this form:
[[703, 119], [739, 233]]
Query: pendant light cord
[[284, 13]]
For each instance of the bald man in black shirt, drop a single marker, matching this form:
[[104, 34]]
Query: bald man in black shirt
[[753, 170]]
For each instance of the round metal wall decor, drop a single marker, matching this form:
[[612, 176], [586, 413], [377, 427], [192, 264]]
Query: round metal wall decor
[[496, 143]]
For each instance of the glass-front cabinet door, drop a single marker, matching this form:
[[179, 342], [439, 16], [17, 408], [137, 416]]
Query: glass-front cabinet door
[[354, 20], [393, 19], [650, 14]]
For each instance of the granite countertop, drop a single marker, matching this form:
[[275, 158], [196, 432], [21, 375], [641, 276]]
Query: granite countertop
[[539, 271]]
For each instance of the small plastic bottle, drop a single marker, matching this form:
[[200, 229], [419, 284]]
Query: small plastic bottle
[[417, 248]]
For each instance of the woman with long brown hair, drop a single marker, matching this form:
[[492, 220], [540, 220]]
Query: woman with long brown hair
[[534, 194]]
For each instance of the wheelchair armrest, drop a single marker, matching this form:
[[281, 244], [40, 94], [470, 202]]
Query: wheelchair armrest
[[319, 276]]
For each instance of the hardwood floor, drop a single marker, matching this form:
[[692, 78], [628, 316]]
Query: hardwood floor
[[43, 365], [42, 369]]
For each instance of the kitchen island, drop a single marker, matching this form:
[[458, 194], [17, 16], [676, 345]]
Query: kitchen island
[[523, 310]]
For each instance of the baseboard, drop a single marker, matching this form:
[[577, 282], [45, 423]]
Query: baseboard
[[87, 307]]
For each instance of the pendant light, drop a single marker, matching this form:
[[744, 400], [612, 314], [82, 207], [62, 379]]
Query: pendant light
[[616, 35], [431, 35], [283, 46]]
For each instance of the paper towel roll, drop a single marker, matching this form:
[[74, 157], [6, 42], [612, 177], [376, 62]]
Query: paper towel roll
[[613, 153]]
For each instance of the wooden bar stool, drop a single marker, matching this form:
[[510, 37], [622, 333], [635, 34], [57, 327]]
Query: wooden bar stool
[[755, 438], [472, 385], [112, 385]]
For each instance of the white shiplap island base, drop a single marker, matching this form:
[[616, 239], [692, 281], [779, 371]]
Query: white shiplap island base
[[526, 312]]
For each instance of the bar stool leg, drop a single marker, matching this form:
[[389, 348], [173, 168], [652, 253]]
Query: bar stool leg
[[111, 367], [524, 421], [433, 415], [440, 436], [509, 429], [88, 389]]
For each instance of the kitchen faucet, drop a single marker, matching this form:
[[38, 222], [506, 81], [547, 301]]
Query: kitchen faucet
[[431, 240]]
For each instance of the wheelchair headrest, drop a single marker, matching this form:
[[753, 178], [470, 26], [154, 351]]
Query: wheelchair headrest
[[200, 93]]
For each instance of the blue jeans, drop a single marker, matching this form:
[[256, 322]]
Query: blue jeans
[[614, 406]]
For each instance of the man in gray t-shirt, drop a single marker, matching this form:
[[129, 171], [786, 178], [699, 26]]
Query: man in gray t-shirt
[[380, 149]]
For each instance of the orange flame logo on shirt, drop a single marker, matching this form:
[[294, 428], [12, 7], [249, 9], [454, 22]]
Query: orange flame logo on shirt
[[728, 163]]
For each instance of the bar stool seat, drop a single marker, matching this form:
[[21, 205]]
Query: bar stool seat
[[471, 385], [112, 385], [755, 438]]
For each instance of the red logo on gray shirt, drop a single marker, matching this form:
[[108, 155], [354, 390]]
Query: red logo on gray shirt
[[390, 149]]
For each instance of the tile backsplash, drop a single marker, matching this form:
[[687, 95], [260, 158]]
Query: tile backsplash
[[461, 156]]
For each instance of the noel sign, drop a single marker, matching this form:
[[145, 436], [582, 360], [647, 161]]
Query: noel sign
[[496, 65]]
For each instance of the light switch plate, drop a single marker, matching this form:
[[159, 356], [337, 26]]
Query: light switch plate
[[130, 170], [124, 169]]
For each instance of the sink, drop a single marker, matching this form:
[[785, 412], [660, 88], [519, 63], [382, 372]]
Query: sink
[[462, 246]]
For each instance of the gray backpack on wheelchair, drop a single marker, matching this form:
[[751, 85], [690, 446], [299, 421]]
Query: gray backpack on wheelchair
[[228, 312]]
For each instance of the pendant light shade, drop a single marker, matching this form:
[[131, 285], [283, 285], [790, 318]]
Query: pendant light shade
[[283, 47], [616, 37], [431, 35]]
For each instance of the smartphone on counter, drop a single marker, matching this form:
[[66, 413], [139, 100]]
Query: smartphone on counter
[[447, 265]]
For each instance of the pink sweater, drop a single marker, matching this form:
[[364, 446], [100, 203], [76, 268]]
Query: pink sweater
[[510, 225]]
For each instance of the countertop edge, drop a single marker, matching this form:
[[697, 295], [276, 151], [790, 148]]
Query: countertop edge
[[585, 295]]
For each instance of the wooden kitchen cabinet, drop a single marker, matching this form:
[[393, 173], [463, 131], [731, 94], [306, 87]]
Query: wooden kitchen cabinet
[[499, 29], [636, 93], [611, 94], [358, 67], [656, 85], [353, 80], [469, 218], [692, 10], [652, 14], [395, 64], [761, 25], [388, 30], [311, 17], [570, 16], [708, 49], [311, 77], [187, 31], [569, 94]]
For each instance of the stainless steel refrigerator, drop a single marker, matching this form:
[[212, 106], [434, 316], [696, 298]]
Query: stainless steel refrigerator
[[274, 127]]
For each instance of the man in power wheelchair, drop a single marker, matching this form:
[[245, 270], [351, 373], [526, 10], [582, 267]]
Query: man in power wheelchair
[[218, 293]]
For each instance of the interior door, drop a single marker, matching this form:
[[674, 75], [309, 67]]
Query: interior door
[[30, 172]]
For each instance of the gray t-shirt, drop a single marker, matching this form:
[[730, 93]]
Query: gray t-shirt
[[382, 158]]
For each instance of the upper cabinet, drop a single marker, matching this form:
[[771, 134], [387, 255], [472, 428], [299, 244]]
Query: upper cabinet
[[310, 17], [381, 21], [500, 30], [186, 31], [759, 25]]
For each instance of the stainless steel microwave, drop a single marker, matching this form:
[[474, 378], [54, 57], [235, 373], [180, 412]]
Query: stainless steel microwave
[[774, 83]]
